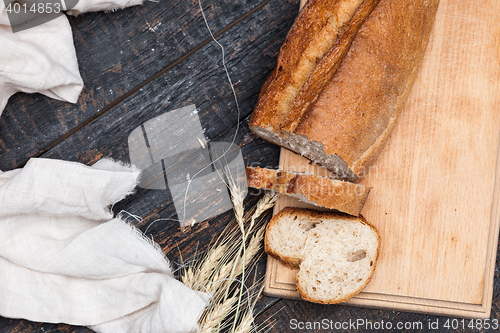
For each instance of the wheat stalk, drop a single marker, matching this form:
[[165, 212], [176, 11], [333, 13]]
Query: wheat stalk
[[188, 277], [208, 266], [214, 318], [224, 267], [251, 250], [246, 323], [240, 265], [266, 202]]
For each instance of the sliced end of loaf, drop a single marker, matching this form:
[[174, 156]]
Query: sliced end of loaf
[[312, 150], [336, 253], [325, 192]]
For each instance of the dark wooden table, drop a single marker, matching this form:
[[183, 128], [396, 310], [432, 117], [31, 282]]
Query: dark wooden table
[[143, 61]]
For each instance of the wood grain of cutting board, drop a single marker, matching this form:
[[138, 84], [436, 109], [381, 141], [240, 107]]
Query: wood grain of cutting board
[[435, 196]]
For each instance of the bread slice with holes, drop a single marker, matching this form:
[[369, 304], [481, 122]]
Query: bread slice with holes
[[336, 253], [321, 191]]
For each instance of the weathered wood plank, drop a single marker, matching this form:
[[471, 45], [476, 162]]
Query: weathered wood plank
[[198, 80], [302, 316], [106, 136], [496, 279], [173, 240], [22, 326], [251, 50], [155, 207], [117, 52]]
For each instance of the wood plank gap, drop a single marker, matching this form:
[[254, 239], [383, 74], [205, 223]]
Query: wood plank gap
[[143, 84]]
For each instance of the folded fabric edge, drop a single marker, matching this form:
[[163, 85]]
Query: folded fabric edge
[[109, 164], [5, 94], [144, 238], [195, 305], [69, 92]]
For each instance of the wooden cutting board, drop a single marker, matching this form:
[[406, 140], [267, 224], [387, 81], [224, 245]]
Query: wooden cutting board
[[435, 197]]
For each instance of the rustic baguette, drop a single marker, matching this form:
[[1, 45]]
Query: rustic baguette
[[340, 110], [325, 192], [336, 254]]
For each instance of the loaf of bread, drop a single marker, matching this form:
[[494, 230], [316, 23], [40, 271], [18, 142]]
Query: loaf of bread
[[336, 254], [321, 191], [343, 76]]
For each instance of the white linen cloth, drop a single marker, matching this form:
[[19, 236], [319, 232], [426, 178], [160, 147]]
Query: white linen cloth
[[43, 58], [64, 258]]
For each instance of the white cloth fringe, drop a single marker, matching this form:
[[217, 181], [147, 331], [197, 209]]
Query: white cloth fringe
[[64, 258]]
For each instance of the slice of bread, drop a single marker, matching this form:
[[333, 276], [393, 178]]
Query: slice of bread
[[336, 254], [321, 191]]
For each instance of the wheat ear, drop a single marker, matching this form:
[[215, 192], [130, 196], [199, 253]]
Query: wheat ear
[[215, 317], [234, 252]]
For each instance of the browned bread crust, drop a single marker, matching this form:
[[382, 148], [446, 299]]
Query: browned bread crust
[[327, 67], [321, 191], [341, 113], [317, 28]]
